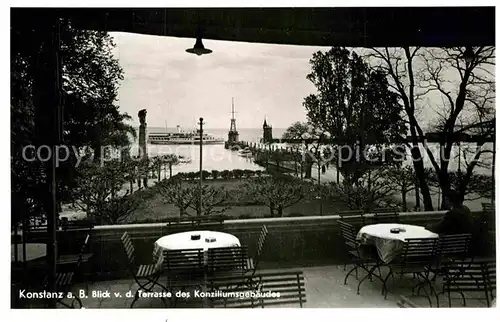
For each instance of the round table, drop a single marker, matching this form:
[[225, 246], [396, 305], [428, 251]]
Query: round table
[[390, 244], [208, 239]]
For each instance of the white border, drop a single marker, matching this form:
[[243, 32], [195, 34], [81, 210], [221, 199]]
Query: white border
[[204, 315]]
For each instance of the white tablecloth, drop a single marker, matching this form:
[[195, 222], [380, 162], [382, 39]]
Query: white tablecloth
[[183, 241], [389, 245]]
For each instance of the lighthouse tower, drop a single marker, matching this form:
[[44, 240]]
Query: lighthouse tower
[[232, 136]]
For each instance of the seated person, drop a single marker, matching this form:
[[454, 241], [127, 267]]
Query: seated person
[[456, 221]]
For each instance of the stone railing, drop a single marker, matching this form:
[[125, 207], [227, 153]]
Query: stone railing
[[292, 241]]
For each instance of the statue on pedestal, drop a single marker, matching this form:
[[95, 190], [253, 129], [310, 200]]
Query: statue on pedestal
[[143, 153]]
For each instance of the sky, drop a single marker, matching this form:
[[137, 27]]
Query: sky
[[266, 81]]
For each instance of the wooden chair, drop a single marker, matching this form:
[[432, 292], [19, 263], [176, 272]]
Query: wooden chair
[[418, 256], [450, 248], [366, 261], [453, 247], [488, 207], [488, 216], [83, 256], [145, 275], [184, 267], [233, 260], [471, 276], [386, 216], [180, 225], [289, 284], [355, 217], [261, 242], [67, 273], [185, 270], [82, 224]]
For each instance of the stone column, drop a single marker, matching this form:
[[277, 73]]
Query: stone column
[[143, 153]]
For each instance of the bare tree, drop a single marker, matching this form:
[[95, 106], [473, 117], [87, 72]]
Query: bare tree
[[466, 88], [403, 178], [212, 200], [99, 194], [186, 195], [170, 160], [178, 193], [369, 191], [278, 192]]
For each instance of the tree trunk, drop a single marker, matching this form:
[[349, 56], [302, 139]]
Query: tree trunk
[[369, 180], [418, 164], [170, 169], [403, 199], [271, 209], [131, 186], [280, 211], [417, 195], [308, 164], [97, 152]]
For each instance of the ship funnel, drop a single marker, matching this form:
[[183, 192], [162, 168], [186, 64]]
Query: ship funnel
[[178, 129]]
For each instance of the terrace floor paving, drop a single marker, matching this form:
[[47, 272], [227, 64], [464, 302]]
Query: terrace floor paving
[[324, 289]]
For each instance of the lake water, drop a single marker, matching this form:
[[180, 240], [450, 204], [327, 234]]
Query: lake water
[[215, 157]]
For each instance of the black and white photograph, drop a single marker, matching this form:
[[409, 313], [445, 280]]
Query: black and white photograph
[[252, 157]]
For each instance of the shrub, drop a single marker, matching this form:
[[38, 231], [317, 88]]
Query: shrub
[[226, 174], [205, 174], [237, 173], [248, 173]]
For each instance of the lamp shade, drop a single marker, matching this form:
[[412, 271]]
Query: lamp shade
[[198, 48]]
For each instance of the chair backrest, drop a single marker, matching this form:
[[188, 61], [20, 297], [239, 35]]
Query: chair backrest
[[392, 209], [454, 246], [228, 259], [386, 216], [85, 244], [488, 207], [81, 224], [471, 276], [488, 216], [183, 261], [290, 285], [420, 249], [348, 232], [262, 240], [180, 225], [129, 249], [352, 216]]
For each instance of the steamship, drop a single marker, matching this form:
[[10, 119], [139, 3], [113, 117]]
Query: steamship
[[182, 137]]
